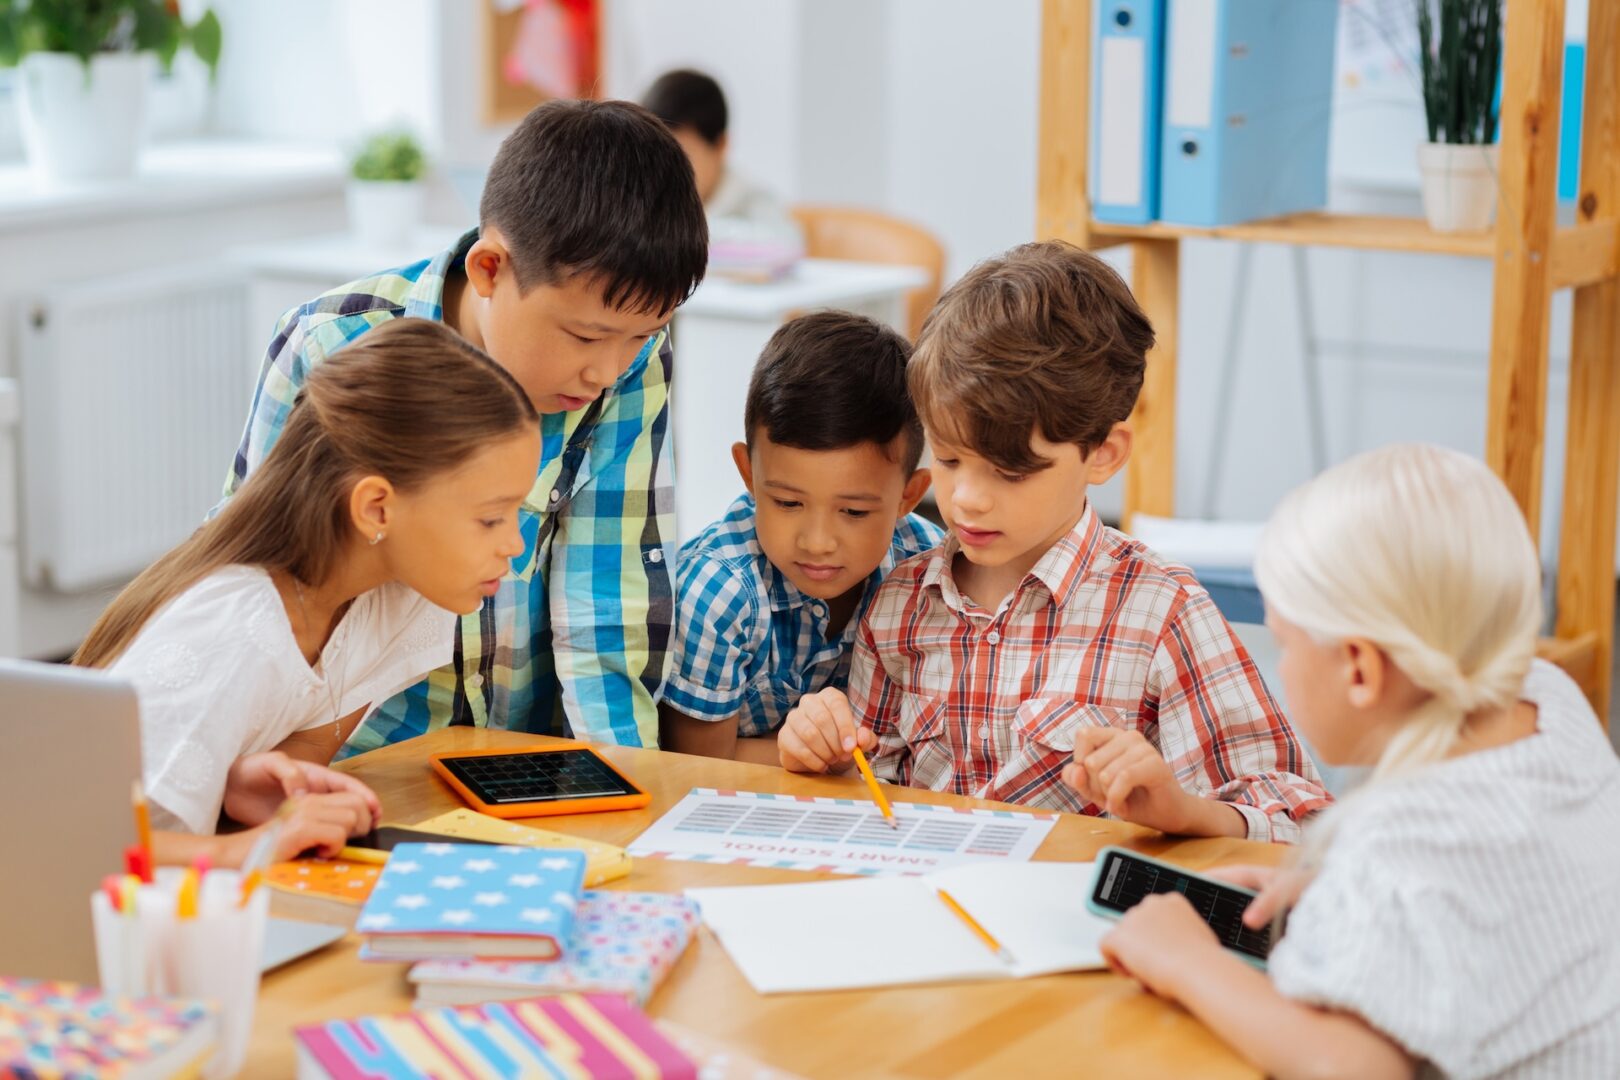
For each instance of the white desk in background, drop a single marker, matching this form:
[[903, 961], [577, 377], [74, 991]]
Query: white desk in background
[[719, 333]]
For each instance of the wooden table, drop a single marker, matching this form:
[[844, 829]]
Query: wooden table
[[1093, 1024]]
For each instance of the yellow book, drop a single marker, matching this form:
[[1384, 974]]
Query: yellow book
[[603, 862]]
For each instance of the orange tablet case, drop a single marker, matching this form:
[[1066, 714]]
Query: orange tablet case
[[547, 808]]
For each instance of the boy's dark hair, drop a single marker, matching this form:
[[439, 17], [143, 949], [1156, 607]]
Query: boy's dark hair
[[688, 99], [1044, 338], [832, 380], [599, 188]]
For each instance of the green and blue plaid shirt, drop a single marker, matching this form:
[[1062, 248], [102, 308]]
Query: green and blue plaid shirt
[[576, 640]]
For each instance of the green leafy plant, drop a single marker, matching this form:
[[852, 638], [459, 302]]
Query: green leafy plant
[[1462, 57], [389, 155], [87, 27]]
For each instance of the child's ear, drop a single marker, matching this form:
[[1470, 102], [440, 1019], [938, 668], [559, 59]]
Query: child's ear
[[745, 464], [916, 488], [371, 507], [484, 261], [1110, 455], [1366, 672]]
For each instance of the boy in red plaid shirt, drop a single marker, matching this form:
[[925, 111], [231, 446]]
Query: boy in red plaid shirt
[[1039, 656]]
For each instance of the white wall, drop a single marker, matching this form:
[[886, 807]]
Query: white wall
[[924, 108], [749, 47], [964, 84], [322, 72]]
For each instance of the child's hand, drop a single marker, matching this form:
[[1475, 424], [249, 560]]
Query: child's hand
[[1121, 772], [322, 823], [820, 735], [1157, 941], [258, 784], [1279, 889]]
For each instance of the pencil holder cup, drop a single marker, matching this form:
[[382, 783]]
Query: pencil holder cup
[[212, 956]]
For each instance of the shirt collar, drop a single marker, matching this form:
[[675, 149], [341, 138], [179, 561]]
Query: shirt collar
[[1060, 570], [425, 300]]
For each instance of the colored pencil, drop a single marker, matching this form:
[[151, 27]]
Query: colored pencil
[[877, 792]]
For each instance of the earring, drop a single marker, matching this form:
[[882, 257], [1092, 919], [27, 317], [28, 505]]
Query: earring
[[375, 540]]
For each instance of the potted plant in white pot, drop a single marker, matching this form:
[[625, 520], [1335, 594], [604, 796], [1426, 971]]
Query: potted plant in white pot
[[1461, 42], [385, 188], [83, 69]]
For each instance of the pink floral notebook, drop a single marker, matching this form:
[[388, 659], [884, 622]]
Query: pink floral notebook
[[623, 943]]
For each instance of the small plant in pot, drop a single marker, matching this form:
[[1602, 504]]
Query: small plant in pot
[[83, 71], [1461, 43], [385, 188]]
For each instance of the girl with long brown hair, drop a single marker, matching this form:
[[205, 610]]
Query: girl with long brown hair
[[330, 582]]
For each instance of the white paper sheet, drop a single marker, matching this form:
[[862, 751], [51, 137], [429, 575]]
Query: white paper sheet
[[893, 931], [845, 836]]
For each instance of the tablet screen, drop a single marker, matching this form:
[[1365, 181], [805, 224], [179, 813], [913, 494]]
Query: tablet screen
[[553, 776]]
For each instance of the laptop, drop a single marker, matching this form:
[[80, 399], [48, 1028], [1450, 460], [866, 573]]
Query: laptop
[[70, 750]]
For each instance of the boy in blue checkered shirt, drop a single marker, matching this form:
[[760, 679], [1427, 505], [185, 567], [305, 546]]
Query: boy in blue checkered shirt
[[768, 597]]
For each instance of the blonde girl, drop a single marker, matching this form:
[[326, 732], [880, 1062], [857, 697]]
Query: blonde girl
[[328, 583], [1455, 915]]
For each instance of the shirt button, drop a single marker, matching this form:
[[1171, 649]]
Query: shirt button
[[993, 638], [817, 610], [476, 681], [656, 555], [984, 732], [555, 494]]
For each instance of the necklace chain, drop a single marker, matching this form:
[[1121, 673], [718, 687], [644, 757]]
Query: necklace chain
[[326, 676]]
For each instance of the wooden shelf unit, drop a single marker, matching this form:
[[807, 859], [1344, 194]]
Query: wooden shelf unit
[[1532, 257], [1312, 230]]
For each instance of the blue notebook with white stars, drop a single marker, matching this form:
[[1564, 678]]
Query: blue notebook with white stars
[[474, 901]]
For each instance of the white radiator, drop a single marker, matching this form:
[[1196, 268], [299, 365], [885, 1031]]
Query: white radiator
[[134, 391]]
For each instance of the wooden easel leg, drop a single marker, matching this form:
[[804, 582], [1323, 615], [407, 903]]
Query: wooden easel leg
[[1586, 559], [1150, 480], [1061, 209], [1517, 404]]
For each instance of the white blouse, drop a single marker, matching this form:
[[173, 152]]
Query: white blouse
[[219, 674], [1468, 910]]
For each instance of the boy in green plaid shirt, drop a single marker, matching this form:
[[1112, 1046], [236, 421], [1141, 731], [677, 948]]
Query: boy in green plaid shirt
[[591, 234]]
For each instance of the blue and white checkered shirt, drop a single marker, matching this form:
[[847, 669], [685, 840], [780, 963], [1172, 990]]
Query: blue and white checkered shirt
[[748, 643], [575, 642]]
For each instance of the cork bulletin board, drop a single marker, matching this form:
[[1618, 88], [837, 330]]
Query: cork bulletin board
[[536, 50]]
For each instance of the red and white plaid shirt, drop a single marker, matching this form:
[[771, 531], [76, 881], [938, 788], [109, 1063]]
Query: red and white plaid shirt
[[1100, 632]]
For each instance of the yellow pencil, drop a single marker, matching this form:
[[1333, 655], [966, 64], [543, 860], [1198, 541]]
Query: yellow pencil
[[978, 930], [250, 882], [877, 792], [363, 855], [143, 816], [185, 906]]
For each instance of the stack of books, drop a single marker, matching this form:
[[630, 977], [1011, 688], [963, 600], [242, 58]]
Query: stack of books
[[502, 923], [332, 890]]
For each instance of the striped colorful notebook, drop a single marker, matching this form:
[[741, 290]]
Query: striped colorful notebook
[[573, 1037]]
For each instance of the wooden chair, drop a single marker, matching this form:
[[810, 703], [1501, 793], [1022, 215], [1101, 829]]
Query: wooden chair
[[840, 232]]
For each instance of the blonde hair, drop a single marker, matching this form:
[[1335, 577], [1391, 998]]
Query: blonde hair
[[1422, 551], [409, 401]]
